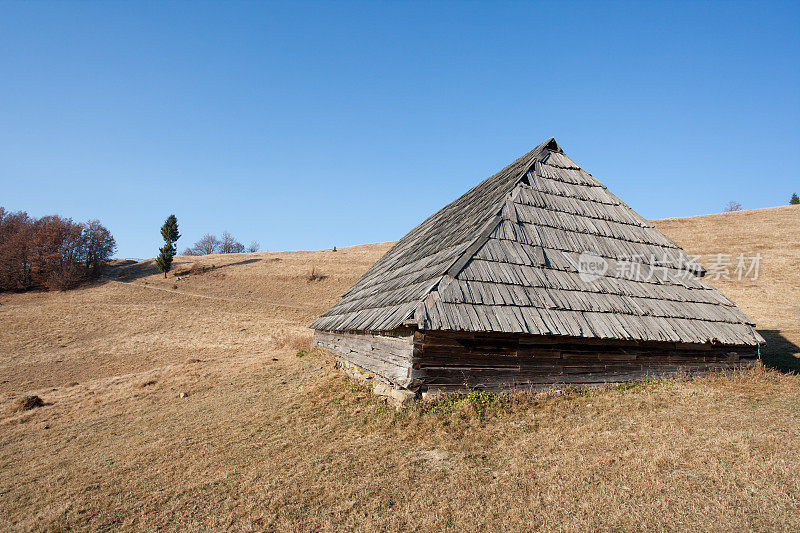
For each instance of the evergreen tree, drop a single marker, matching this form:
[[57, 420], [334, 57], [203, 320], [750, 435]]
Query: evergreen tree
[[164, 259], [169, 231], [795, 200]]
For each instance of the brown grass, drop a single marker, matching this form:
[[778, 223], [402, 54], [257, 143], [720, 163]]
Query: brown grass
[[292, 340], [267, 440], [195, 269], [314, 275]]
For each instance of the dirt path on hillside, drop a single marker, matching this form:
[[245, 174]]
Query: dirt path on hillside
[[208, 297]]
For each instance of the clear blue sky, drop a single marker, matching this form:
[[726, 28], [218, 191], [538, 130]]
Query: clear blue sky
[[310, 125]]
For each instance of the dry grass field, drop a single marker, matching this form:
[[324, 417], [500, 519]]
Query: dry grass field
[[266, 440]]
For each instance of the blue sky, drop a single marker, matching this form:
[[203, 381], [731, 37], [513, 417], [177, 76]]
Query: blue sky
[[309, 125]]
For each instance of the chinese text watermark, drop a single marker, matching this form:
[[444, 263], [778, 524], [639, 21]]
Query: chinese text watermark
[[730, 267]]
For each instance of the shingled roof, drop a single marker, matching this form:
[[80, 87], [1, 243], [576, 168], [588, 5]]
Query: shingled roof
[[505, 257]]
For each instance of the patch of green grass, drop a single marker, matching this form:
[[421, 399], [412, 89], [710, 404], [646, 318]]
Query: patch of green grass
[[482, 402], [308, 350]]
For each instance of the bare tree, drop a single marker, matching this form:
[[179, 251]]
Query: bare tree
[[208, 244], [733, 206], [229, 244], [254, 247]]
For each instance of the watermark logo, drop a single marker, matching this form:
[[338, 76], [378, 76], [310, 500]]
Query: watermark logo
[[733, 266], [591, 267], [728, 267]]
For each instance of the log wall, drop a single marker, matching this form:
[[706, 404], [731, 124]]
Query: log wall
[[388, 355], [445, 360], [436, 361]]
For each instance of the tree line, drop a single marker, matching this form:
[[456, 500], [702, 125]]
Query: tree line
[[208, 244], [736, 206], [225, 244], [50, 252]]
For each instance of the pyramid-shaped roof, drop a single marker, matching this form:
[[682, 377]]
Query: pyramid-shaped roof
[[508, 256]]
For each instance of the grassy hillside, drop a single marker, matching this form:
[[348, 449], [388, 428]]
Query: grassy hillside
[[772, 300], [264, 439]]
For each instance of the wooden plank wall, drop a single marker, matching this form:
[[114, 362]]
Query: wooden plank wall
[[387, 355], [445, 360]]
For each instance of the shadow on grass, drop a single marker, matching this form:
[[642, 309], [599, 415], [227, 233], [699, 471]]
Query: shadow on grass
[[780, 353], [242, 262], [130, 271]]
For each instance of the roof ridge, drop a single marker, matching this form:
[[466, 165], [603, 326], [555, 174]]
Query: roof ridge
[[532, 155], [461, 260], [542, 151], [551, 145]]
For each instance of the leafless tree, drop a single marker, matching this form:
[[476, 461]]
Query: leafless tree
[[733, 206], [208, 244], [254, 247], [230, 245], [226, 242]]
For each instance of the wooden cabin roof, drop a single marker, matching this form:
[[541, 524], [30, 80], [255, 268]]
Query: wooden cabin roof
[[505, 256]]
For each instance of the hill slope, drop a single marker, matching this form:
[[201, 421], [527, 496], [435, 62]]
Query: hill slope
[[268, 440], [773, 299]]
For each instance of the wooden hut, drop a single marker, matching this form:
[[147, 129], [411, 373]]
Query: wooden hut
[[537, 275]]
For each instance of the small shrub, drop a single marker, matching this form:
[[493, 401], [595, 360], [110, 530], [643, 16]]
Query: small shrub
[[26, 403], [314, 275], [795, 200]]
